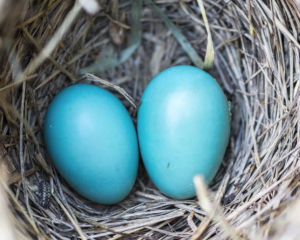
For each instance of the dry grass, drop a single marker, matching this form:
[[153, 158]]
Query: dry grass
[[45, 44]]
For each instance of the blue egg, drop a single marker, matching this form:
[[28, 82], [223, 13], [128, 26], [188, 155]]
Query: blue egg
[[92, 142], [183, 129]]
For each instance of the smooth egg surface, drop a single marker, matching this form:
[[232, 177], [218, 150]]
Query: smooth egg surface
[[183, 129], [92, 142]]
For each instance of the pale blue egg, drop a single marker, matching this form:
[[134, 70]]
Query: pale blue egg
[[92, 142], [183, 129]]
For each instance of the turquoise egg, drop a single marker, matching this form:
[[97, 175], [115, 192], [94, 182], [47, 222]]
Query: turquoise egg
[[183, 129], [92, 142]]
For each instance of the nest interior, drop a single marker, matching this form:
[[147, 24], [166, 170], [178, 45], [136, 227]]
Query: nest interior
[[48, 45]]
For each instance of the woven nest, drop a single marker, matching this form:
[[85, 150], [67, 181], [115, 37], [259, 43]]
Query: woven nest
[[48, 45]]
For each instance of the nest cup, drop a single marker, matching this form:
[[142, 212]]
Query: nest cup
[[48, 45]]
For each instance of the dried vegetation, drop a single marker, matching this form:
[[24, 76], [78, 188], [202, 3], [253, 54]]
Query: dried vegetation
[[47, 45]]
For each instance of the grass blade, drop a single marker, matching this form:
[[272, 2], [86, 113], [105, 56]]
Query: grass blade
[[135, 39], [185, 44]]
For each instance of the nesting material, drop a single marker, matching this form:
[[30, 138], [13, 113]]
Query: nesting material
[[48, 45]]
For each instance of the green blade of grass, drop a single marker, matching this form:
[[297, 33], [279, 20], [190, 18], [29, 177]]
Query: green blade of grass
[[185, 44], [135, 39], [210, 52]]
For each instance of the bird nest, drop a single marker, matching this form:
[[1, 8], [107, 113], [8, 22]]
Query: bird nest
[[250, 47]]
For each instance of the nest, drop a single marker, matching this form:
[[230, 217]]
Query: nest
[[48, 45]]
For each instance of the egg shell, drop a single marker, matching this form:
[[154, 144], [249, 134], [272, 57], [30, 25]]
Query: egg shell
[[183, 129], [92, 142]]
